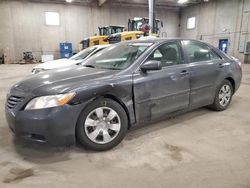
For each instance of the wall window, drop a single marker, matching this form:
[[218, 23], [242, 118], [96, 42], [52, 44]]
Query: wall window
[[52, 18], [191, 22]]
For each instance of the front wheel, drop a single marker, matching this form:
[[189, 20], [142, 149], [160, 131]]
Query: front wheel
[[223, 96], [102, 125]]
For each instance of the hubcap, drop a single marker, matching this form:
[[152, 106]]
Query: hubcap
[[224, 95], [102, 125]]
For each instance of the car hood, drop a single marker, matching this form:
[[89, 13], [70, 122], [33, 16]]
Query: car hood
[[57, 64], [63, 80]]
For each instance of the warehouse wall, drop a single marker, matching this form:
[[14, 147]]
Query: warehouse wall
[[219, 19], [22, 25]]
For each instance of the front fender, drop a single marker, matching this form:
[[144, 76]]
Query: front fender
[[119, 89]]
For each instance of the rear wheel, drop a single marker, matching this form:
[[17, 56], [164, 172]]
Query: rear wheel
[[223, 96], [102, 125]]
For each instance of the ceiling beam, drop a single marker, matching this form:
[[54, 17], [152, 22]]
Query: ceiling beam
[[101, 2]]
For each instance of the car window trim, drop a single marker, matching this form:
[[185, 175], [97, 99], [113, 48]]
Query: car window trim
[[201, 44], [216, 53], [96, 51]]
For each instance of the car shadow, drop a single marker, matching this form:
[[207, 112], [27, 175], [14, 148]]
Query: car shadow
[[148, 128], [42, 153]]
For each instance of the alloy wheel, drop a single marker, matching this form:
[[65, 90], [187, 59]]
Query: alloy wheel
[[102, 125], [225, 95]]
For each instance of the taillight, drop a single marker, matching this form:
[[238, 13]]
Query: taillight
[[239, 63]]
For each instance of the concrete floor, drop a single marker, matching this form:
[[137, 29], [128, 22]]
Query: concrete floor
[[201, 148]]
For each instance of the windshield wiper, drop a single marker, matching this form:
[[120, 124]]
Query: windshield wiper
[[112, 68], [90, 66]]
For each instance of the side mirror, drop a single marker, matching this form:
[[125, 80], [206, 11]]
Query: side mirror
[[161, 23], [151, 65]]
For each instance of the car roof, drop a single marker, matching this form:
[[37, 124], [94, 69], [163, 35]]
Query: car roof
[[102, 46], [150, 40], [159, 40], [156, 40]]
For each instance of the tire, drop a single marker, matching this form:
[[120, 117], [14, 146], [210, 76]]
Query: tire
[[224, 90], [102, 125]]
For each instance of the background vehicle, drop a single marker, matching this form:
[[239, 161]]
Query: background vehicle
[[137, 27], [101, 39], [108, 30], [137, 23], [127, 84], [78, 58]]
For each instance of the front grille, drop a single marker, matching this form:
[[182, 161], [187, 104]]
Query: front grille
[[13, 101]]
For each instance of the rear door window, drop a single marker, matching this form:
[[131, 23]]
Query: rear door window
[[197, 52]]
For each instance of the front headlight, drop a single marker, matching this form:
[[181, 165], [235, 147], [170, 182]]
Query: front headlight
[[49, 101]]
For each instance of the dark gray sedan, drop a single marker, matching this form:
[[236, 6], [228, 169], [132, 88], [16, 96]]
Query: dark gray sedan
[[127, 84]]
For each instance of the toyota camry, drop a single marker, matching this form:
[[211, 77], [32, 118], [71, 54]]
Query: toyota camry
[[127, 84]]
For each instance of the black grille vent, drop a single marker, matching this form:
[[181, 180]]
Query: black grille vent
[[13, 101], [113, 40]]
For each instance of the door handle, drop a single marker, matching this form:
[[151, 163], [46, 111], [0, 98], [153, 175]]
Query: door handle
[[221, 65], [184, 73]]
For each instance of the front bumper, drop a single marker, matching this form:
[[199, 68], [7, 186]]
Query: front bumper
[[55, 126]]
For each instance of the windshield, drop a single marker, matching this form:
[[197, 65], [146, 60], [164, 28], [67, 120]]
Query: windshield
[[103, 31], [83, 54], [110, 30], [116, 30], [118, 57], [137, 25]]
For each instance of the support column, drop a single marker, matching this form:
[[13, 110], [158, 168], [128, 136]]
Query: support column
[[151, 5]]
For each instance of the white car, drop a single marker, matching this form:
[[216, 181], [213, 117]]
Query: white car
[[76, 59]]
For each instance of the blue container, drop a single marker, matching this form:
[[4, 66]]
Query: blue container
[[66, 50], [66, 47], [66, 55]]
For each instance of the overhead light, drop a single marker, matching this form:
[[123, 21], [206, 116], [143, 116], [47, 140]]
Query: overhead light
[[69, 1], [182, 1]]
